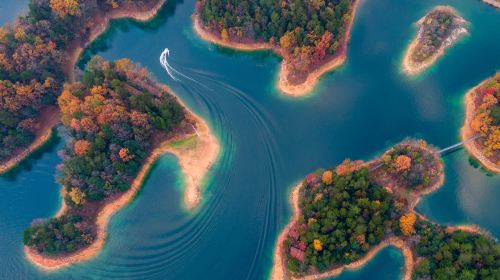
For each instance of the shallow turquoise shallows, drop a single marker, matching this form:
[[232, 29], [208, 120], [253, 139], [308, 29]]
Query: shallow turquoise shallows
[[270, 142]]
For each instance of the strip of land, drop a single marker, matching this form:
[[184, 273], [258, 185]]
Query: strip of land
[[195, 162], [283, 84], [466, 131]]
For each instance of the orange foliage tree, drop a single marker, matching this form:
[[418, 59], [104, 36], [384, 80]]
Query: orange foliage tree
[[402, 163], [81, 147], [407, 223], [327, 177], [125, 154]]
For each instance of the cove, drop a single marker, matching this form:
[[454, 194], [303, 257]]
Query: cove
[[269, 142]]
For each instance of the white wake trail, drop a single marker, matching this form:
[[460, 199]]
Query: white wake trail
[[172, 72]]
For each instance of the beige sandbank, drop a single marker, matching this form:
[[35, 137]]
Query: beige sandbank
[[466, 131], [279, 267], [412, 68], [282, 83], [49, 117], [195, 161], [494, 3]]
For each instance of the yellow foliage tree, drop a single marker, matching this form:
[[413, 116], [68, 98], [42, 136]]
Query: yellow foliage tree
[[407, 223], [65, 7], [317, 245], [77, 196], [327, 177]]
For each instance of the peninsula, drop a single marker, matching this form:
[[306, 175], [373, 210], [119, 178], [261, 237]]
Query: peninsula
[[310, 36], [37, 55], [343, 216], [482, 123], [118, 123], [438, 30]]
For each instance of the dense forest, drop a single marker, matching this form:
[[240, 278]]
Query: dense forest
[[343, 216], [436, 28], [486, 121], [456, 255], [306, 31], [34, 59], [111, 118]]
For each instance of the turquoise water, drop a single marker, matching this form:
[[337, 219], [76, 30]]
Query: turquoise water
[[270, 141]]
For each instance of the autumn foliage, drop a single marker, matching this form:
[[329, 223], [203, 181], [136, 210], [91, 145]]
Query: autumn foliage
[[81, 147], [327, 177], [65, 7], [407, 223], [402, 163], [486, 120]]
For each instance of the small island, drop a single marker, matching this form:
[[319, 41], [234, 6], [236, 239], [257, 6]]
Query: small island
[[310, 36], [38, 54], [438, 30], [482, 123], [118, 121], [343, 216]]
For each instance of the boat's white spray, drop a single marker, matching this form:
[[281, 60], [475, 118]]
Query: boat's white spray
[[166, 65]]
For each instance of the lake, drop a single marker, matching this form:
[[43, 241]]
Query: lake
[[269, 142]]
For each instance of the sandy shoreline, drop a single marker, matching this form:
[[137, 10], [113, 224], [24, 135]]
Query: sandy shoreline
[[282, 83], [494, 3], [48, 118], [412, 68], [466, 132], [194, 162], [279, 267]]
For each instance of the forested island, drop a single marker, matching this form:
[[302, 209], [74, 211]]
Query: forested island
[[344, 215], [438, 30], [37, 55], [482, 123], [118, 121], [311, 36]]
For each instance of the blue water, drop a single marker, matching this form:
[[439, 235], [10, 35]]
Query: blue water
[[11, 9], [269, 142]]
